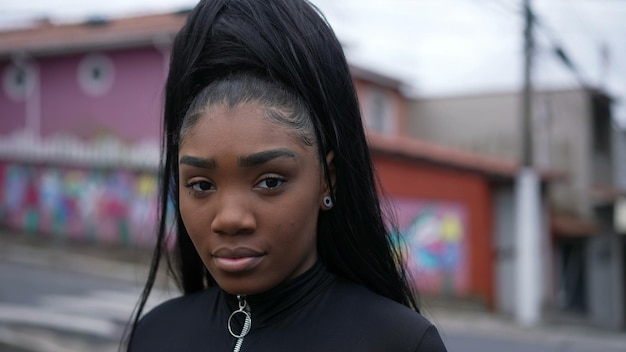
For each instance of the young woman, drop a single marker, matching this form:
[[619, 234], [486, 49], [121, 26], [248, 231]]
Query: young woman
[[280, 240]]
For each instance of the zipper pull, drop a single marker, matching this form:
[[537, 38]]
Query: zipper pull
[[247, 323], [245, 310]]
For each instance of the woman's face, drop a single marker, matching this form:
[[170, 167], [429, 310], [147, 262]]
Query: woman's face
[[250, 194]]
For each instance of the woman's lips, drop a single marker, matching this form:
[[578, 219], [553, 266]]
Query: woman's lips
[[236, 259]]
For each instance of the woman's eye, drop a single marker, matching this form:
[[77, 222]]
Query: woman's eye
[[270, 183], [200, 186]]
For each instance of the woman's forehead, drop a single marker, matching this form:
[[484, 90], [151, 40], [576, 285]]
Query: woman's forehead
[[246, 124], [252, 115]]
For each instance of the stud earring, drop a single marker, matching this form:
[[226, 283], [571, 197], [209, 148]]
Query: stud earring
[[328, 202]]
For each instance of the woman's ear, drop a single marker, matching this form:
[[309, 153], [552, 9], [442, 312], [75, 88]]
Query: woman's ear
[[327, 194], [332, 173]]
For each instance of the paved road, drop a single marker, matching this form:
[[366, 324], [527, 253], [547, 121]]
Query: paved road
[[57, 308], [49, 309]]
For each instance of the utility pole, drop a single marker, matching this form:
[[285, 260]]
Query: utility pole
[[529, 51], [528, 201]]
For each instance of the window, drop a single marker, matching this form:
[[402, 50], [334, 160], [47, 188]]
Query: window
[[601, 123], [18, 81], [379, 112], [95, 74]]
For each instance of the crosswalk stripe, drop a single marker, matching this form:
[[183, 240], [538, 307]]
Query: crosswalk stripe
[[107, 304], [96, 312], [10, 313], [84, 306]]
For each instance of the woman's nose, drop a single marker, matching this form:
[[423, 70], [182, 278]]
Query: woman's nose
[[233, 215]]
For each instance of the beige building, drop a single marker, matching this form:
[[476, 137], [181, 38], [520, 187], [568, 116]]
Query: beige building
[[572, 133], [568, 136]]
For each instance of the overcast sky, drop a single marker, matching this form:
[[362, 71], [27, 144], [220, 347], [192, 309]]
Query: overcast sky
[[438, 47]]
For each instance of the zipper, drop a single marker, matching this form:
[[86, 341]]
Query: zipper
[[244, 309]]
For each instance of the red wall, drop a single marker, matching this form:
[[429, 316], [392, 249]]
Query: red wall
[[401, 177]]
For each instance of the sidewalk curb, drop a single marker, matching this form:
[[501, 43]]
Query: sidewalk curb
[[492, 325]]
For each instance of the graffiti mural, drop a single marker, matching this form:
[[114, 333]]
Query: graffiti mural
[[433, 242], [98, 205]]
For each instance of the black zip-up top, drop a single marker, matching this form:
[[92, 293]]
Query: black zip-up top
[[314, 312]]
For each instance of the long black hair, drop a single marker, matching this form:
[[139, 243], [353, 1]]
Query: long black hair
[[288, 42]]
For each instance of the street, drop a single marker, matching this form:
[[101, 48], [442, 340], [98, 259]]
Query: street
[[50, 308]]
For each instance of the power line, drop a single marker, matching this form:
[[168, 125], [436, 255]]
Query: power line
[[558, 50], [508, 8], [598, 41]]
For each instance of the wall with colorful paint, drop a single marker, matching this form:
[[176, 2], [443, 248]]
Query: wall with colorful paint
[[434, 244], [119, 206], [445, 217], [102, 205]]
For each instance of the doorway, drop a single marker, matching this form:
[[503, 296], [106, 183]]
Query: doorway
[[572, 263]]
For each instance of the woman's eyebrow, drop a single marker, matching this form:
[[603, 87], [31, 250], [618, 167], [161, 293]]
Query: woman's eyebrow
[[198, 162], [265, 156]]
